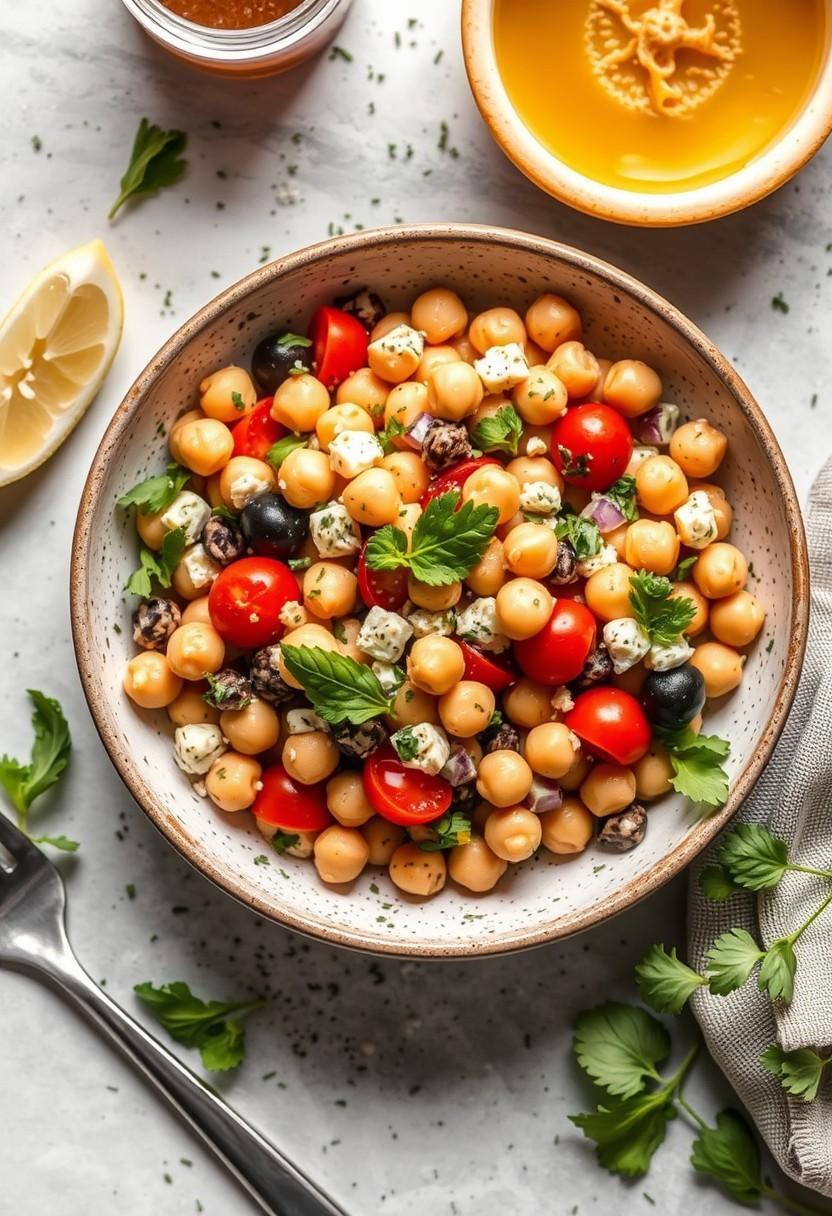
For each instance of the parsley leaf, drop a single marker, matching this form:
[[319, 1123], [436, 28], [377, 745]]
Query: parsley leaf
[[159, 565], [715, 883], [406, 744], [628, 1134], [281, 841], [800, 1072], [583, 534], [452, 829], [58, 842], [753, 858], [340, 689], [278, 452], [777, 970], [620, 1046], [446, 542], [392, 431], [197, 1023], [49, 757], [499, 433], [155, 161], [696, 760], [623, 494], [661, 617], [684, 568], [730, 961], [729, 1153], [156, 493], [664, 982], [290, 340]]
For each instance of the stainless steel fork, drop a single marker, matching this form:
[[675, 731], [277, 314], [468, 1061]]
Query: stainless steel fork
[[33, 940]]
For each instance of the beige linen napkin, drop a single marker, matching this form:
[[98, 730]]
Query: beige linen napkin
[[794, 799]]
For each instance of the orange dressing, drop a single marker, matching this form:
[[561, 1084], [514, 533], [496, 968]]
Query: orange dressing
[[658, 95], [231, 14]]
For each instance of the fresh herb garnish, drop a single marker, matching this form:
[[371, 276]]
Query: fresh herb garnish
[[452, 829], [237, 401], [446, 542], [684, 568], [202, 1024], [779, 303], [159, 565], [800, 1072], [299, 563], [278, 452], [661, 617], [665, 983], [620, 1047], [583, 534], [218, 692], [392, 431], [570, 467], [340, 689], [698, 772], [155, 162], [281, 841], [48, 758], [156, 493], [406, 744], [290, 340], [500, 433], [623, 494]]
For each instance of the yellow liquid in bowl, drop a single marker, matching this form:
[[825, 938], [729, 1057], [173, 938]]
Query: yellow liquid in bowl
[[601, 117]]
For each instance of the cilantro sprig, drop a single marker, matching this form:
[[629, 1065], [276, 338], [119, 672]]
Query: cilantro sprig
[[155, 161], [499, 433], [339, 689], [198, 1023], [697, 763], [48, 759], [155, 494], [447, 542], [800, 1072], [159, 566], [662, 618]]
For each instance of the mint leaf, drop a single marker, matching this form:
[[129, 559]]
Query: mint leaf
[[156, 493], [665, 983], [754, 858], [155, 162], [620, 1047], [339, 689]]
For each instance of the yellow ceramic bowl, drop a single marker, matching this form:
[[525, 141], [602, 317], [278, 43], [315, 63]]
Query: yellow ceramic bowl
[[797, 143]]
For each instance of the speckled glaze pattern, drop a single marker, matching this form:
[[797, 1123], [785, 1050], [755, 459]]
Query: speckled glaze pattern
[[545, 898]]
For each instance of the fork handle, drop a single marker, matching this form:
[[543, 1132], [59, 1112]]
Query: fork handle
[[275, 1182]]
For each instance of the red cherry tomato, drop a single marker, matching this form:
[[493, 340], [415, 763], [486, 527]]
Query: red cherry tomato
[[557, 653], [255, 434], [288, 804], [404, 795], [246, 598], [486, 670], [381, 588], [595, 443], [455, 478], [611, 723], [340, 344]]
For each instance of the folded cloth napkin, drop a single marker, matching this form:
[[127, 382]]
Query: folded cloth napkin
[[793, 797]]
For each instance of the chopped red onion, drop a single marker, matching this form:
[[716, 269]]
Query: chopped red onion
[[658, 425], [604, 513], [416, 433], [545, 795], [459, 767]]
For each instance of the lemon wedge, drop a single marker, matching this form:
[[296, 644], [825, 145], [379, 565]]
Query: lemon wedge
[[56, 347]]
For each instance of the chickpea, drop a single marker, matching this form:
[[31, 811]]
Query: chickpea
[[722, 509], [551, 749], [410, 474], [607, 592], [197, 610], [618, 539], [212, 493], [394, 360], [189, 708], [737, 619], [652, 545], [653, 773], [661, 486], [513, 832], [348, 631], [596, 393], [574, 779], [227, 394], [608, 788], [299, 402], [439, 314], [632, 388], [175, 432], [391, 321], [552, 320], [409, 515], [528, 704], [496, 327], [504, 778], [541, 398], [151, 529], [721, 667], [454, 390], [339, 418], [412, 705], [205, 445], [474, 865], [698, 447], [347, 801], [194, 649], [417, 872], [306, 635], [464, 348], [689, 591], [253, 729], [432, 358], [531, 550], [404, 404], [493, 486], [489, 574], [232, 781], [257, 474], [366, 389], [383, 838], [434, 599], [150, 682], [305, 478], [466, 709], [528, 469], [340, 854], [310, 757], [329, 590], [567, 828], [373, 498], [575, 367], [523, 608], [720, 570], [435, 664]]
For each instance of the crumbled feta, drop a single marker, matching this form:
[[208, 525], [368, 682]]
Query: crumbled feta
[[334, 532], [189, 512], [245, 487], [197, 746], [664, 658], [502, 367], [539, 498], [389, 677], [666, 421], [384, 635], [626, 642], [535, 446], [641, 452], [293, 614], [424, 622], [201, 569], [303, 846], [696, 521], [562, 700], [303, 721], [402, 340], [478, 624], [353, 452], [422, 746], [591, 565]]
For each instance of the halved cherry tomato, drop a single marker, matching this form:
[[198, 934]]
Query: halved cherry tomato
[[257, 432], [340, 344], [591, 446], [455, 478], [486, 669], [288, 804], [246, 598], [557, 653], [381, 588], [611, 723], [404, 795]]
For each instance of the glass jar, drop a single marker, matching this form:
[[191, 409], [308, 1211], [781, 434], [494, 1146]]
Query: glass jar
[[261, 50]]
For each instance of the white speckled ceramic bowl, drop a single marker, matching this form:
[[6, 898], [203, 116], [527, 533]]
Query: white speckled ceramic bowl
[[543, 899]]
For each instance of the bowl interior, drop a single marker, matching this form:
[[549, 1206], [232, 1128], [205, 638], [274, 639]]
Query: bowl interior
[[544, 898]]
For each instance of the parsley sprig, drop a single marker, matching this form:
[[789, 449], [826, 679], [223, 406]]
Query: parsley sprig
[[198, 1023], [499, 433], [159, 566], [447, 542], [155, 494], [48, 759], [697, 763], [622, 494], [662, 618], [278, 452], [452, 829], [155, 161], [339, 689], [583, 534]]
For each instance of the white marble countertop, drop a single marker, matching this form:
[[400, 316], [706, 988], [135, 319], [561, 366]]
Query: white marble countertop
[[407, 1089]]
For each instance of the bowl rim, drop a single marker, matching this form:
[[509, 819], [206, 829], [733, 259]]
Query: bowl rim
[[762, 175], [629, 893]]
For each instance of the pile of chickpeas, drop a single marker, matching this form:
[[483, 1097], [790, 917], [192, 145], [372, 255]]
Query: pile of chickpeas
[[515, 570]]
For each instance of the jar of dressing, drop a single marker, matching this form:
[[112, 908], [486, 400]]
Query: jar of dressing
[[241, 37]]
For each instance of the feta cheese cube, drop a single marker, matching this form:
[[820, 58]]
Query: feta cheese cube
[[664, 658], [247, 486], [425, 623], [696, 521], [641, 452], [666, 417], [384, 635], [591, 565], [539, 498], [334, 531], [201, 569], [353, 452], [303, 722], [389, 677], [197, 746], [402, 340], [478, 624], [422, 746], [501, 367], [562, 700], [293, 614], [189, 512], [535, 446], [626, 642]]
